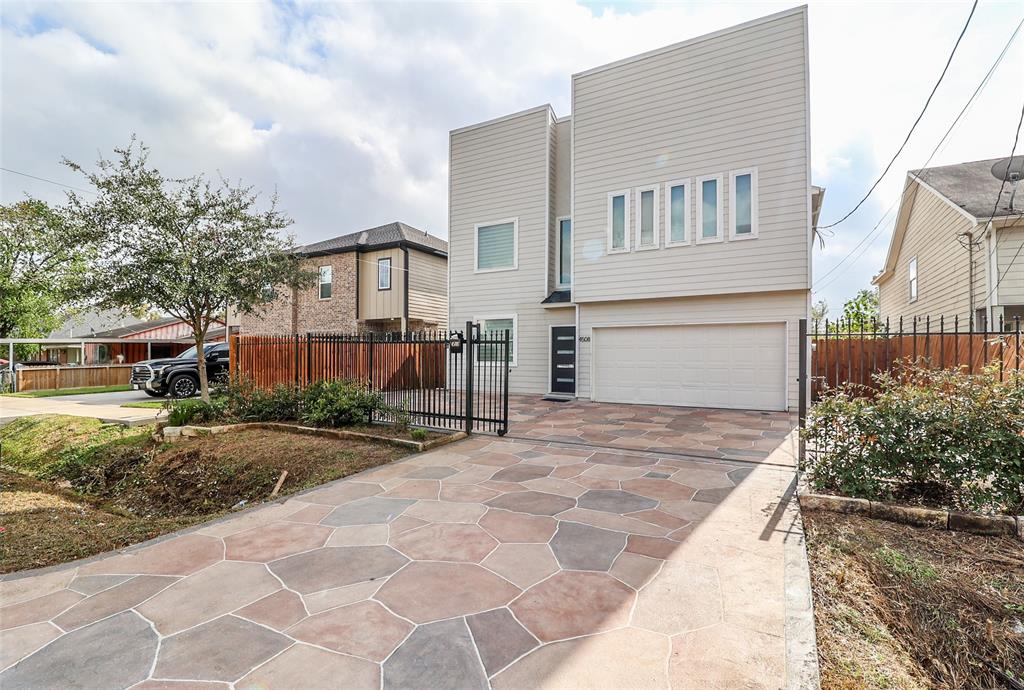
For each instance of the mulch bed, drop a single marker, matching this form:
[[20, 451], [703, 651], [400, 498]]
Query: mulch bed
[[906, 607]]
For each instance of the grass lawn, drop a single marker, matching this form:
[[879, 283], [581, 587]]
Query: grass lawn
[[70, 391], [145, 404], [900, 607], [74, 487]]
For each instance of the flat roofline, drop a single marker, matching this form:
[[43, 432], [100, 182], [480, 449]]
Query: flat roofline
[[802, 9], [521, 113]]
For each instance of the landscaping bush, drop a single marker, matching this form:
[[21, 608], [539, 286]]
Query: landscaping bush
[[339, 403], [943, 438], [245, 402], [182, 412], [419, 435]]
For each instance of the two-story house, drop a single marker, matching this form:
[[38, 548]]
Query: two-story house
[[386, 279], [956, 248], [654, 245]]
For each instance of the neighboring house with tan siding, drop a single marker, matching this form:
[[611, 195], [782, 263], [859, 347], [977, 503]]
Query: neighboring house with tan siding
[[953, 246], [392, 278], [654, 245]]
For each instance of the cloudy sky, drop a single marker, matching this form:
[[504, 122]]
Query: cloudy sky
[[344, 109]]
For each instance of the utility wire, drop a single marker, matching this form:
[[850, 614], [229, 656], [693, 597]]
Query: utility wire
[[914, 126], [995, 208], [43, 179], [970, 101]]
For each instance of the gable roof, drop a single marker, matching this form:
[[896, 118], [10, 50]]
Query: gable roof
[[132, 328], [973, 188], [380, 237]]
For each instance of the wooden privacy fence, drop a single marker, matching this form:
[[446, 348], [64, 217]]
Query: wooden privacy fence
[[388, 361], [56, 378], [842, 354]]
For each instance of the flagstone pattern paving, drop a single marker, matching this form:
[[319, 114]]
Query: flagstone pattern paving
[[486, 563], [712, 433]]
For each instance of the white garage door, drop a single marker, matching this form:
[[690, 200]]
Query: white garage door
[[740, 366]]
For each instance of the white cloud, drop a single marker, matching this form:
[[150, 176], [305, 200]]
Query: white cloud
[[344, 109]]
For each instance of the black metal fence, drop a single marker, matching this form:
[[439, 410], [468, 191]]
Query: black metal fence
[[438, 379]]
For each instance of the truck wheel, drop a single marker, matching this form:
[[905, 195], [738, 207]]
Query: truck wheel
[[153, 394], [183, 386]]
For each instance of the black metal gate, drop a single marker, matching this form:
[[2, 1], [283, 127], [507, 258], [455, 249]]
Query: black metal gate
[[444, 379]]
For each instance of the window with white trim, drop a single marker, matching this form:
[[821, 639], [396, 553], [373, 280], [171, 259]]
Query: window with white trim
[[564, 267], [743, 204], [647, 218], [618, 222], [495, 326], [496, 245], [384, 274], [709, 209], [912, 279], [677, 213], [325, 282]]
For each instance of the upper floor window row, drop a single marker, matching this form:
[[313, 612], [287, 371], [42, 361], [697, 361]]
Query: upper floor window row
[[709, 227], [496, 245]]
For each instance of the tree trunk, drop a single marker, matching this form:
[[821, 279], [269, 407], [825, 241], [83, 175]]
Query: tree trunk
[[204, 384]]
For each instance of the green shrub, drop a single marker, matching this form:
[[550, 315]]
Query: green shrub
[[245, 402], [942, 438], [182, 412], [339, 403], [419, 435]]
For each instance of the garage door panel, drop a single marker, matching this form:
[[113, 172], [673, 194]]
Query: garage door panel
[[731, 366]]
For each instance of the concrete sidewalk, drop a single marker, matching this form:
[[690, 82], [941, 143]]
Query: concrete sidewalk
[[105, 406]]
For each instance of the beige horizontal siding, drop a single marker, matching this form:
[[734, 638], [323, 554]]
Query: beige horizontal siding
[[736, 100], [428, 287], [943, 268], [381, 304]]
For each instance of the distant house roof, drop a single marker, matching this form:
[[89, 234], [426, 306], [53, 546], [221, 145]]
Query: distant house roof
[[380, 237], [972, 187], [133, 328]]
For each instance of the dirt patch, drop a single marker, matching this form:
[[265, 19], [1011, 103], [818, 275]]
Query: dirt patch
[[388, 431], [905, 608], [68, 527]]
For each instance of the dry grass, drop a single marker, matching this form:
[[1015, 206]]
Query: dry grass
[[907, 608]]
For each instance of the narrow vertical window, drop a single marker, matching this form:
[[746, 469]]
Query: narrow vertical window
[[912, 278], [743, 204], [709, 209], [647, 218], [677, 218], [384, 274], [618, 222], [564, 252], [325, 282]]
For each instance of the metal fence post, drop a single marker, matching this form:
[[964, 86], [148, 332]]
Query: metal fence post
[[802, 411], [504, 393], [470, 344]]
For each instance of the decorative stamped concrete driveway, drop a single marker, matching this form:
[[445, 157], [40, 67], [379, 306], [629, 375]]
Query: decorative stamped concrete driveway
[[699, 432], [486, 563]]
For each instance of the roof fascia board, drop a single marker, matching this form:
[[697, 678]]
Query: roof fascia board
[[364, 248], [522, 113]]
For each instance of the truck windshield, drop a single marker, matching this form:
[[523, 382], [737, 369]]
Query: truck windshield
[[191, 352]]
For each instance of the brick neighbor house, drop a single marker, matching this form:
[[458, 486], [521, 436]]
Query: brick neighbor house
[[385, 279]]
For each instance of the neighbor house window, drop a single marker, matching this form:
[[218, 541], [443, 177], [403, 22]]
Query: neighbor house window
[[492, 330], [325, 282], [268, 294], [383, 274], [618, 222], [647, 218], [677, 213], [743, 204], [709, 209], [564, 252], [496, 245], [912, 278]]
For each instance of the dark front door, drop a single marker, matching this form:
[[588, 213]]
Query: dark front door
[[563, 359]]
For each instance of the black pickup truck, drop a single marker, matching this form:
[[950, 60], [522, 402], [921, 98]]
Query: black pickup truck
[[179, 376]]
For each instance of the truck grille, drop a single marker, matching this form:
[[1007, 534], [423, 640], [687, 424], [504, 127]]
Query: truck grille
[[142, 374]]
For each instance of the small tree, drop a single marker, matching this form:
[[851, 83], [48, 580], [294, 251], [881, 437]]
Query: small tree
[[185, 246], [860, 312], [43, 259], [819, 311]]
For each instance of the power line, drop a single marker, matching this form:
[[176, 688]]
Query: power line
[[995, 207], [970, 101], [43, 179], [914, 126]]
